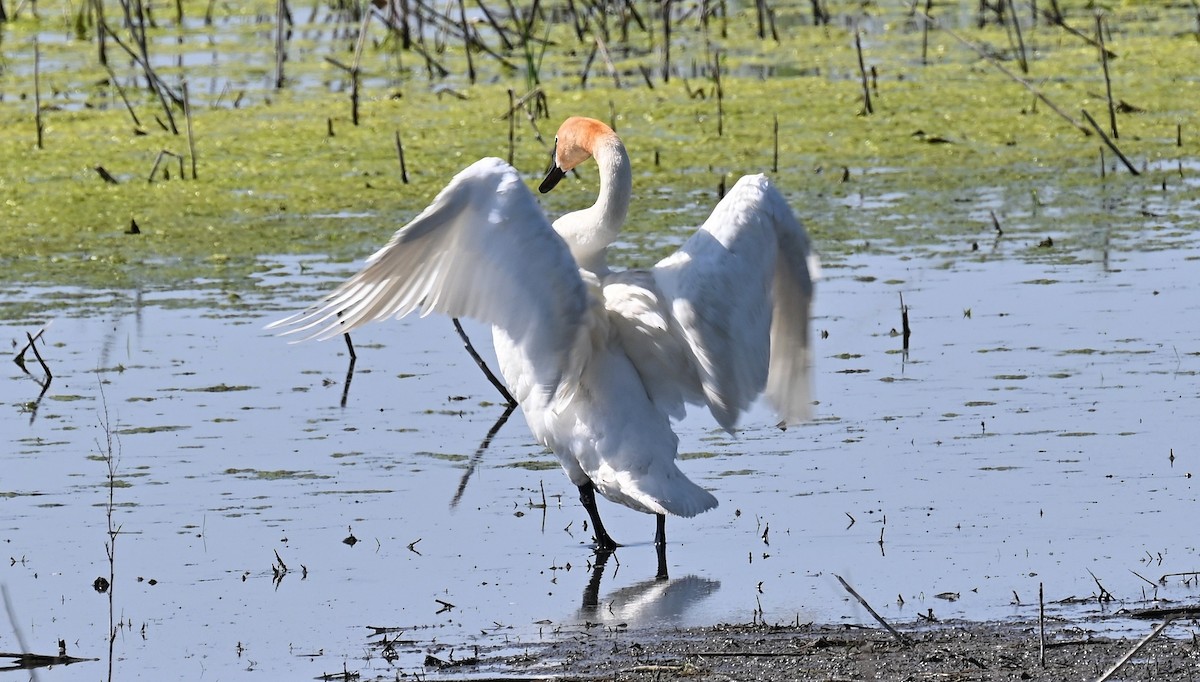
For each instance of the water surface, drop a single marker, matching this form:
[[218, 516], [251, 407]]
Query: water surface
[[1040, 431]]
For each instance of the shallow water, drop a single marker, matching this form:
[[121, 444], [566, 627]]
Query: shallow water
[[1025, 439]]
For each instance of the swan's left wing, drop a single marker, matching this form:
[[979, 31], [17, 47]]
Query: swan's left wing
[[483, 249], [740, 290]]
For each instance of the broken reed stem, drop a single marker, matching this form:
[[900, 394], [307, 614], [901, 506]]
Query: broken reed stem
[[775, 155], [924, 33], [187, 114], [666, 5], [608, 62], [1112, 110], [720, 95], [1041, 625], [862, 71], [509, 399], [1109, 143], [906, 332], [33, 346], [112, 78], [512, 128], [1026, 84], [400, 153], [354, 68], [280, 51], [37, 89], [1016, 22], [895, 633], [466, 29], [158, 161], [112, 461], [1124, 660]]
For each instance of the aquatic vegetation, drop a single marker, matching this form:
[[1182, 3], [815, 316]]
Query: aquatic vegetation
[[953, 145]]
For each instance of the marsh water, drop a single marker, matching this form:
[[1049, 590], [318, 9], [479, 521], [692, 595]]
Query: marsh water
[[1040, 431]]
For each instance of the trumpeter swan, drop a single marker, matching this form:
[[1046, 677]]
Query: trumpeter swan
[[602, 361]]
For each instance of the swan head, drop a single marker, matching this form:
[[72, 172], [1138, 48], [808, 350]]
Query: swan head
[[577, 140]]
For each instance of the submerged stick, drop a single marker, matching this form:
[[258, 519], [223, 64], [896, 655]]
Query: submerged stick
[[1110, 143], [482, 365], [895, 633]]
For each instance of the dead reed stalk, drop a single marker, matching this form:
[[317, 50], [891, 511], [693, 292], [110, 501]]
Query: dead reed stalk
[[37, 89], [862, 70], [1112, 110]]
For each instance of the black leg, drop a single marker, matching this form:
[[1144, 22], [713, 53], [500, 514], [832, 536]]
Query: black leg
[[587, 495], [660, 544]]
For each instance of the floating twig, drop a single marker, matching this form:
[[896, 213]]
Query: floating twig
[[1190, 611]]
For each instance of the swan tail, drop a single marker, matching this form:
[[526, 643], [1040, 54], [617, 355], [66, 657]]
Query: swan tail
[[673, 494]]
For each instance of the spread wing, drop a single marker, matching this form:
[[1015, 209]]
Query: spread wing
[[740, 290], [483, 249]]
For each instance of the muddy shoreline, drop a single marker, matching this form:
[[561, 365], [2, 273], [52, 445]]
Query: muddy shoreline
[[953, 650]]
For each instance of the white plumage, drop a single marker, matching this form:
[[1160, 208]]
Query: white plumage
[[600, 362]]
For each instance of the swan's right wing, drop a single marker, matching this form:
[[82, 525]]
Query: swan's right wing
[[483, 249]]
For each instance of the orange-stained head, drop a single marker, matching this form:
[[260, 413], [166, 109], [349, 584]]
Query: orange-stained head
[[575, 143]]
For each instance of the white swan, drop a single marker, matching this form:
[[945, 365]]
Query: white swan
[[601, 361]]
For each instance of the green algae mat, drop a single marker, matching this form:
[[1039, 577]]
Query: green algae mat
[[884, 129]]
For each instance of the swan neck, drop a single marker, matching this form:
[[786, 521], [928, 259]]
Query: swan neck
[[616, 186]]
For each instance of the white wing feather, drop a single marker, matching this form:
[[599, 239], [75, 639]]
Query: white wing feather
[[740, 291], [483, 249]]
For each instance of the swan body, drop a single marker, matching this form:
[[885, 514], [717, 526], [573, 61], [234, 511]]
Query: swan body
[[602, 361]]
